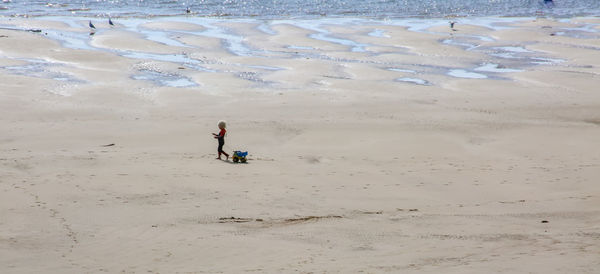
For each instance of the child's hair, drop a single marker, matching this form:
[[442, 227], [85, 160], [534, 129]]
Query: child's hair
[[222, 124]]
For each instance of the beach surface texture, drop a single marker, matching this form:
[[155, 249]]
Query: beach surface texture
[[398, 146]]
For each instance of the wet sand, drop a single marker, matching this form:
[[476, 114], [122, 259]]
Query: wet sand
[[375, 146]]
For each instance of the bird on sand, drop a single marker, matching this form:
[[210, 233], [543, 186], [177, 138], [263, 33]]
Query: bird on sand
[[452, 25], [91, 25], [110, 22], [188, 10]]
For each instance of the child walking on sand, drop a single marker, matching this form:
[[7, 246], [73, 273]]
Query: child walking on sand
[[221, 138]]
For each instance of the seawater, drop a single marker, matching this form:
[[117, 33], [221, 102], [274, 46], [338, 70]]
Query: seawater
[[277, 9], [319, 18]]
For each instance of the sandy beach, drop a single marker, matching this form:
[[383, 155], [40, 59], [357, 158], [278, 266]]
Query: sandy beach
[[374, 146]]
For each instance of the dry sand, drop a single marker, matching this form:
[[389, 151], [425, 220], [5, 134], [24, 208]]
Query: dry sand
[[349, 170]]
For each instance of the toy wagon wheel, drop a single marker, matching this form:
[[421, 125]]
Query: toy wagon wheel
[[235, 159], [243, 160]]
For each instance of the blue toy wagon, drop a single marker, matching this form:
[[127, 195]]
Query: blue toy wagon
[[239, 156]]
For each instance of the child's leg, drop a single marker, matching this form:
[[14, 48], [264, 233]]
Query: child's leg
[[221, 144], [220, 150]]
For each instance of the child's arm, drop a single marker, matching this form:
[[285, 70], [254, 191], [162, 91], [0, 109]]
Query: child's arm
[[221, 134]]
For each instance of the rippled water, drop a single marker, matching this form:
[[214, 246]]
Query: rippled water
[[300, 8]]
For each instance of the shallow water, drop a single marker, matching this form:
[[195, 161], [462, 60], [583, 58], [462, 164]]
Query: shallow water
[[360, 46], [164, 79], [40, 69], [416, 81], [461, 73], [298, 8], [495, 68]]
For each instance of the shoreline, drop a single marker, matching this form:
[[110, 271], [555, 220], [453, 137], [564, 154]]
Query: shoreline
[[531, 12], [171, 43]]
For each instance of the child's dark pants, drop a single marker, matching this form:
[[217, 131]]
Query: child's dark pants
[[220, 149]]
